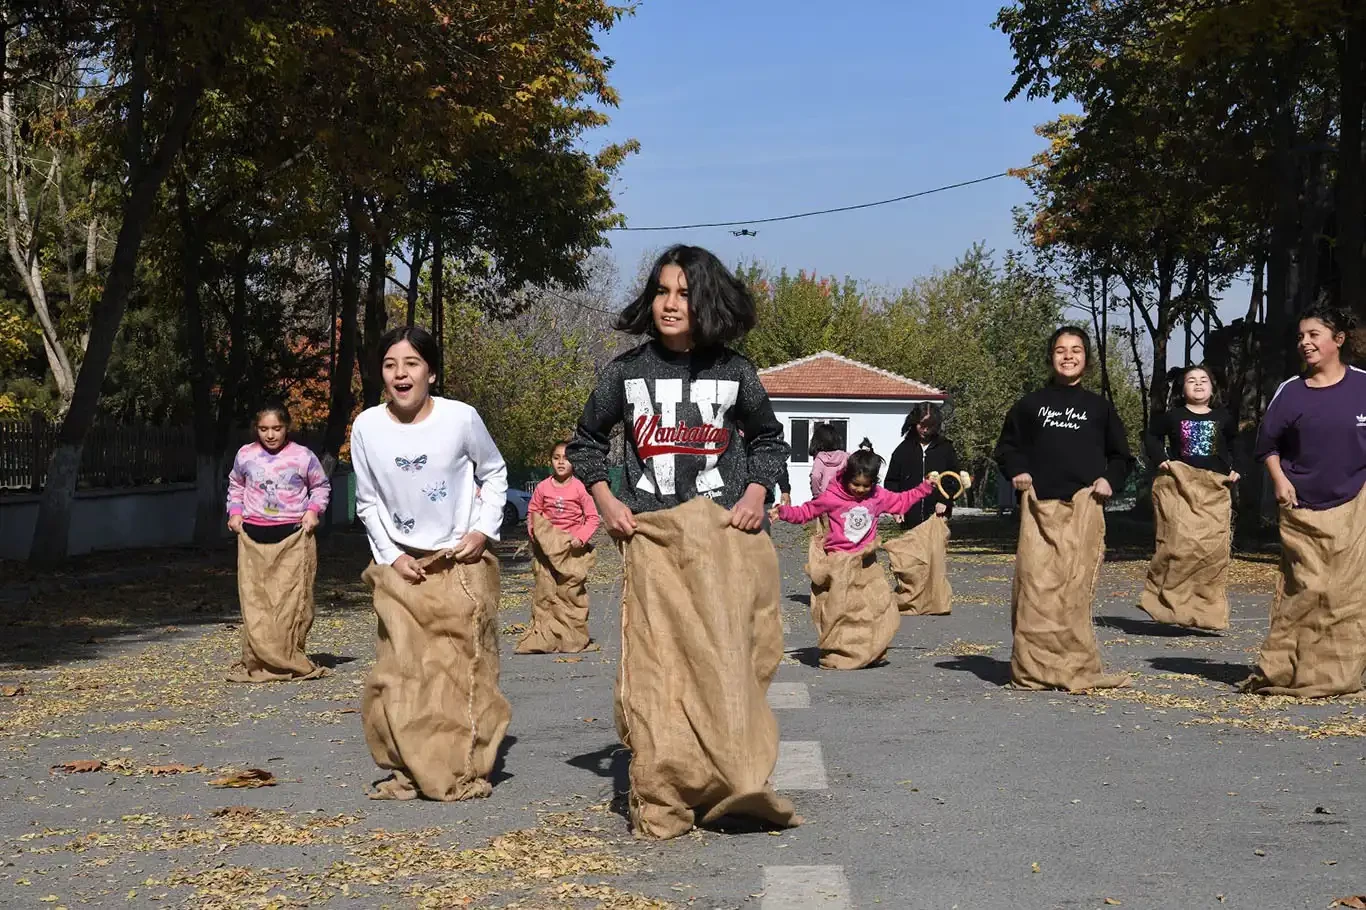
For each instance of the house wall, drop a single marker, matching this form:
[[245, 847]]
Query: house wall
[[879, 420], [128, 519]]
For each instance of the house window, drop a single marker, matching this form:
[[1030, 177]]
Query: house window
[[800, 435], [801, 440]]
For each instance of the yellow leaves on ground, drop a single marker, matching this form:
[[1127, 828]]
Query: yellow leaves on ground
[[248, 779]]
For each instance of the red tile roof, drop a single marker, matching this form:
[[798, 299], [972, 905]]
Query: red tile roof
[[827, 375]]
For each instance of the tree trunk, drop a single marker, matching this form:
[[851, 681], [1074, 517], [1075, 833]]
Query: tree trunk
[[1098, 327], [1351, 196], [439, 305], [52, 531], [419, 254], [22, 236], [1280, 279], [342, 399], [207, 507], [376, 323]]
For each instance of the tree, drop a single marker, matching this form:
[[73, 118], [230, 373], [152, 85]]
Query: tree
[[163, 59]]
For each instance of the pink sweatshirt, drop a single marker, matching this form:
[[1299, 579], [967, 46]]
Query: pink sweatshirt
[[568, 507], [852, 520], [826, 468], [276, 489]]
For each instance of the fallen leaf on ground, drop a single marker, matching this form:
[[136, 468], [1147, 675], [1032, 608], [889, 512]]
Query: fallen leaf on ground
[[568, 660], [1034, 867], [1356, 902], [1111, 902], [234, 811], [82, 766], [348, 711], [588, 720], [252, 777], [1259, 852], [172, 769], [12, 691]]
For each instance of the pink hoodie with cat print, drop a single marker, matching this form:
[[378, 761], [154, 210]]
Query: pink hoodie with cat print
[[853, 520]]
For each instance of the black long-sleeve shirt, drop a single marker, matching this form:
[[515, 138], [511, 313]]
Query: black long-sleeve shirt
[[684, 415], [1200, 440], [911, 464], [1066, 438]]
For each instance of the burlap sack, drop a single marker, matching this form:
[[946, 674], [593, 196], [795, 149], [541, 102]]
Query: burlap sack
[[919, 561], [559, 600], [1057, 561], [275, 586], [851, 605], [701, 637], [432, 710], [1317, 642], [1188, 577]]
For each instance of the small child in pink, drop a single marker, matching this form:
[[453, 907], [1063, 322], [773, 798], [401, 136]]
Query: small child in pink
[[827, 457], [854, 504], [563, 500], [276, 486]]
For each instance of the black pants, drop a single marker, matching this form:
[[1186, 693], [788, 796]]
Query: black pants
[[269, 533]]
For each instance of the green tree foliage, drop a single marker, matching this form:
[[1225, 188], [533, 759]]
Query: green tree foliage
[[1215, 139], [528, 378], [978, 331]]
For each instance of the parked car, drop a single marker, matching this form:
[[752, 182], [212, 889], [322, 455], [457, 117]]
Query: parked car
[[515, 510]]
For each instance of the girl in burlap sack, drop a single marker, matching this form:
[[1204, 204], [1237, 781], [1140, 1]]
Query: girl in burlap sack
[[561, 520], [276, 491], [701, 630], [1192, 447], [430, 490], [851, 602], [1313, 441], [1066, 452]]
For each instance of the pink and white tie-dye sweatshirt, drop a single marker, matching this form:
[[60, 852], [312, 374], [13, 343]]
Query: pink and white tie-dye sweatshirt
[[852, 520], [276, 488]]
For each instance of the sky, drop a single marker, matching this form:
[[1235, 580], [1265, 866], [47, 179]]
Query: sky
[[754, 108]]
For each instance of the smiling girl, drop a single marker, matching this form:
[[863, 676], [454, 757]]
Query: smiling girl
[[1065, 451], [432, 710], [701, 630], [1313, 441], [1192, 449], [276, 491]]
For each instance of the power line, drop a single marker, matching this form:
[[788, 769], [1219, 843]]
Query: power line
[[843, 208]]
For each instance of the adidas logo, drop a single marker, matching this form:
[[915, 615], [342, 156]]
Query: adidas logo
[[1361, 420]]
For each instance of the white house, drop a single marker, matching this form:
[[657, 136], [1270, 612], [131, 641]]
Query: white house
[[859, 400]]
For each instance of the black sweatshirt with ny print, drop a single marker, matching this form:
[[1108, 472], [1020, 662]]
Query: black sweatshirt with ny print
[[696, 424], [1066, 438]]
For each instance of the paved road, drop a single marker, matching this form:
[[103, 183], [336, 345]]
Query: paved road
[[924, 782]]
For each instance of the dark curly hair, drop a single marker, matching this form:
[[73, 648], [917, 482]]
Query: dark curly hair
[[720, 307], [1337, 319], [863, 463]]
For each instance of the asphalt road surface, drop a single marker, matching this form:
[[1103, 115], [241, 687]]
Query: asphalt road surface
[[925, 783]]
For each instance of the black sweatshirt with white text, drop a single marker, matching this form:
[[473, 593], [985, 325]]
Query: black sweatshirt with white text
[[684, 415], [1066, 438]]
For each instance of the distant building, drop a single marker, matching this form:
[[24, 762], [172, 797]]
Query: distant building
[[858, 399]]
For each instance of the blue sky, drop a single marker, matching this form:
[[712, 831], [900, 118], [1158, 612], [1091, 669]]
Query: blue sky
[[752, 108]]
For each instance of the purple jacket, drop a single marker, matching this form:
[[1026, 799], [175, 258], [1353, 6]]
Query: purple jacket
[[1320, 436]]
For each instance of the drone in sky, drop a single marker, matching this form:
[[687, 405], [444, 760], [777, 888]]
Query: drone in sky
[[745, 232]]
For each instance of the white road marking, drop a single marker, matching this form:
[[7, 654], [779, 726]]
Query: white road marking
[[806, 887], [788, 695], [801, 766]]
